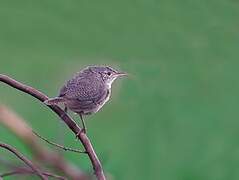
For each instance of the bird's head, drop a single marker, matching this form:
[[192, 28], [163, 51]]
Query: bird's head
[[107, 73]]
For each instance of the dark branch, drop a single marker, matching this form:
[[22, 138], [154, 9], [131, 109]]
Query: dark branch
[[68, 121], [24, 159], [25, 170]]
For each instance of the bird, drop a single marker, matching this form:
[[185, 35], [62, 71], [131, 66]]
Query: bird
[[87, 91]]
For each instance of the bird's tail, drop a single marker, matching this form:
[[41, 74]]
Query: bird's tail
[[54, 101]]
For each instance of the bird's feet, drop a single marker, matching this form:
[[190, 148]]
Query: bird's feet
[[83, 130]]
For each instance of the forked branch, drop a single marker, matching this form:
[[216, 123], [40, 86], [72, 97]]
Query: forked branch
[[35, 169], [23, 131]]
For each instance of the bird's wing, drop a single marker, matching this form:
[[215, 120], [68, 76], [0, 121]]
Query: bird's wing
[[84, 89]]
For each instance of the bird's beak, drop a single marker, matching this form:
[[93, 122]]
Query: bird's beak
[[121, 74]]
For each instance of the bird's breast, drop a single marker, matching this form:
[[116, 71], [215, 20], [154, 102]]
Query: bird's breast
[[101, 104]]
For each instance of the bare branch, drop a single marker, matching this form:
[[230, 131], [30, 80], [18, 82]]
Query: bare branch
[[24, 159], [18, 126], [68, 121], [25, 170], [58, 145]]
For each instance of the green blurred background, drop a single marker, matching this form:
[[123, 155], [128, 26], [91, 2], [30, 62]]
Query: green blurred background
[[177, 115]]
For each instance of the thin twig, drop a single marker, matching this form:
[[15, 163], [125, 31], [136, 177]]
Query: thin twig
[[58, 145], [35, 169], [68, 121], [29, 171]]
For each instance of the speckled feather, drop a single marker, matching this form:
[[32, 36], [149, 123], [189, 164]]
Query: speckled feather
[[87, 92]]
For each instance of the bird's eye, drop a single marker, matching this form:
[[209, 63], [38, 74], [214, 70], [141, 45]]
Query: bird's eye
[[108, 73]]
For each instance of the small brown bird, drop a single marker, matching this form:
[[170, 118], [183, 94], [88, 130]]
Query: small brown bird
[[87, 91]]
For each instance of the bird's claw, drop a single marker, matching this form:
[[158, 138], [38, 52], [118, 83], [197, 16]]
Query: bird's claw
[[83, 130]]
